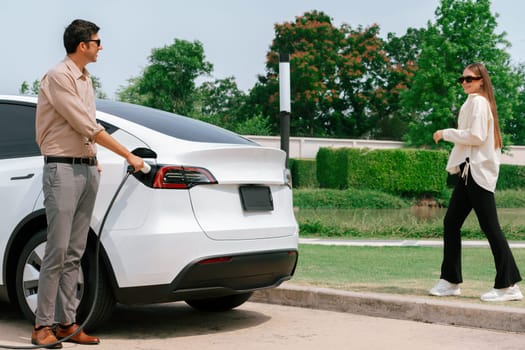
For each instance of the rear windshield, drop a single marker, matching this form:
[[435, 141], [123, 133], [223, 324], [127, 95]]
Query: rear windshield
[[171, 124]]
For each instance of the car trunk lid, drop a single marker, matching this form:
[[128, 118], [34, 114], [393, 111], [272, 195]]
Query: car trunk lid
[[251, 199]]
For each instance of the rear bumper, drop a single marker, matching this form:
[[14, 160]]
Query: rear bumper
[[218, 276]]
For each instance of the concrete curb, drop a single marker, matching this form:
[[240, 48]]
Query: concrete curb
[[420, 309]]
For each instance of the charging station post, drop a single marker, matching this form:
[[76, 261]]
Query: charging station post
[[285, 102]]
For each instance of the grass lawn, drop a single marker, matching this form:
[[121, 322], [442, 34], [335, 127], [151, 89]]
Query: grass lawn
[[408, 223], [367, 214], [395, 270]]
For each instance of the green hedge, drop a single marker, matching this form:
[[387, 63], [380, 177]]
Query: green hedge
[[399, 171], [308, 198], [511, 177], [331, 168], [303, 173]]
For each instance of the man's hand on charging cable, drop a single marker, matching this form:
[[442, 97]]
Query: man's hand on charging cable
[[136, 162]]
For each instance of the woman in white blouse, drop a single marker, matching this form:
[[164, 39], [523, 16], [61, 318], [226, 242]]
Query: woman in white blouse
[[476, 157]]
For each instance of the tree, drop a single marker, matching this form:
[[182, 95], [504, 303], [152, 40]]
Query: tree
[[222, 103], [314, 44], [130, 93], [464, 33], [168, 82], [342, 79], [221, 98], [256, 125], [25, 89], [515, 126], [371, 79], [97, 86], [402, 53]]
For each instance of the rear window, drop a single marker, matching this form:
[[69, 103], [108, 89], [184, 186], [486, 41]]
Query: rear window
[[171, 124]]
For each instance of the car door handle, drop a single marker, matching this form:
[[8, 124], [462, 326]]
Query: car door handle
[[28, 176]]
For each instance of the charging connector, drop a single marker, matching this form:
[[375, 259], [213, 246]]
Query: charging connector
[[145, 169]]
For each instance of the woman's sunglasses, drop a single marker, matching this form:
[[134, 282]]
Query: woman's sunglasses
[[468, 79]]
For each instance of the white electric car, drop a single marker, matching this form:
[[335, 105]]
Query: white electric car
[[212, 222]]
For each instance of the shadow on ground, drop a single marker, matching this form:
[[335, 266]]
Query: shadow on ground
[[145, 322], [175, 320]]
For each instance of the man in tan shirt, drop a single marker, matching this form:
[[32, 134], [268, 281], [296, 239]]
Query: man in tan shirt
[[67, 131]]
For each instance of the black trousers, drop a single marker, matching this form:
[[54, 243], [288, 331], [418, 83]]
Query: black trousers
[[466, 197]]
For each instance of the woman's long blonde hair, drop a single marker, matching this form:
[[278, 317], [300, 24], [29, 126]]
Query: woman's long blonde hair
[[488, 91]]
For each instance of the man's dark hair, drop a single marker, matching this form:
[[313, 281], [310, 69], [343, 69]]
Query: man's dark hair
[[78, 31]]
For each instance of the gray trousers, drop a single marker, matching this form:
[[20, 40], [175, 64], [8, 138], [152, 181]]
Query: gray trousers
[[69, 197]]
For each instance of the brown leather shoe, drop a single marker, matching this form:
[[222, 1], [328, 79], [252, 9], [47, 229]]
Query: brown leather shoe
[[79, 338], [45, 336]]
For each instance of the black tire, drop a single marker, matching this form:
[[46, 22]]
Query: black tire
[[219, 304], [26, 284], [105, 303]]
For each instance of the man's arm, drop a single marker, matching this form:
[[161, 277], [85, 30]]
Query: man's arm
[[106, 140]]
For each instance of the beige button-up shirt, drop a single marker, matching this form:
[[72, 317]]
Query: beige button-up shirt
[[474, 139], [65, 114]]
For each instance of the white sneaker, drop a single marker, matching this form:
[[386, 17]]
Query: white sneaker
[[444, 288], [503, 294]]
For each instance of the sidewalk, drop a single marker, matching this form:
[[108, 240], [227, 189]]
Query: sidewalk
[[397, 243], [416, 308]]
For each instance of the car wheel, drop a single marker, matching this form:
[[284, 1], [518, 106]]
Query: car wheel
[[219, 304], [28, 272]]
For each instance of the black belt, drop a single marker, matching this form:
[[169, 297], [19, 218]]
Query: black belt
[[71, 160]]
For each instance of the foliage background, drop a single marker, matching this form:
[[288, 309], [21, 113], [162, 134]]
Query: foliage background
[[347, 81]]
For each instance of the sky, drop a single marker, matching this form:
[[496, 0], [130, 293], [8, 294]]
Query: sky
[[235, 34]]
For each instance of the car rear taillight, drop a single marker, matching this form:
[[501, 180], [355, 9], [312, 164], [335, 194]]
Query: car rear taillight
[[182, 177]]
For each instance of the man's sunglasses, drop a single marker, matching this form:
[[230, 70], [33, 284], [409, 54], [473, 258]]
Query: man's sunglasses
[[95, 41], [468, 79]]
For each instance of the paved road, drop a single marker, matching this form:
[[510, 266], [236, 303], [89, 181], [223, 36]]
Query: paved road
[[257, 326]]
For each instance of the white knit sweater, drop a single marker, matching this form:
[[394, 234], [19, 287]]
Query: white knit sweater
[[474, 139]]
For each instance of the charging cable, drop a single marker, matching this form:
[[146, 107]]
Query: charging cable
[[130, 170]]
